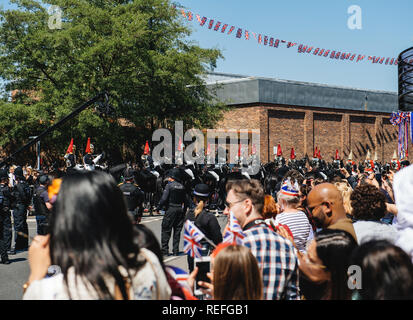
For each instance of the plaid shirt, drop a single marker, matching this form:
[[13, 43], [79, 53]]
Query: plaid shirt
[[277, 260]]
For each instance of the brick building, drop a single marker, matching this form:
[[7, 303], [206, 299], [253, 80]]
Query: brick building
[[307, 115]]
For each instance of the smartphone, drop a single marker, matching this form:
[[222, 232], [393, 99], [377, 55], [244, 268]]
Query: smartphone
[[204, 265]]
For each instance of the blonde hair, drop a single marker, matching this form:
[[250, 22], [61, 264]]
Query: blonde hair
[[345, 189], [199, 208]]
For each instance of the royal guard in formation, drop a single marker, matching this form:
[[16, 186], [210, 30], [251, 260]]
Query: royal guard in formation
[[89, 160]]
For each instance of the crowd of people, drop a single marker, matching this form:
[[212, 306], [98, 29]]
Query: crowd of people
[[342, 237]]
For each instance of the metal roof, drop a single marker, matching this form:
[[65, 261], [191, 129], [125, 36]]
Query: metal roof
[[235, 89]]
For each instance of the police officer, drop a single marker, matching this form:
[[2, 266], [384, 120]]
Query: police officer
[[42, 205], [133, 195], [174, 198], [22, 195], [5, 221]]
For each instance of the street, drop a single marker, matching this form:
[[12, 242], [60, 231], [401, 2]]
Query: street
[[14, 275]]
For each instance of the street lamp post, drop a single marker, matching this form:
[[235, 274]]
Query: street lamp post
[[38, 151]]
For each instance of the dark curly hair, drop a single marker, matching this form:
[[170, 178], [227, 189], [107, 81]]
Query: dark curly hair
[[368, 203]]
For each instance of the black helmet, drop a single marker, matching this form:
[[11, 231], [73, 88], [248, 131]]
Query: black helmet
[[175, 173]]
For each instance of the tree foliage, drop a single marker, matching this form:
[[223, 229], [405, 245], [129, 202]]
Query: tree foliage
[[136, 50]]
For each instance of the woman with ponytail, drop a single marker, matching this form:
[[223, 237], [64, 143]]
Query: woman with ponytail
[[204, 220]]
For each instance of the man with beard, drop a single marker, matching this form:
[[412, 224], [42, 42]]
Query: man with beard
[[325, 202]]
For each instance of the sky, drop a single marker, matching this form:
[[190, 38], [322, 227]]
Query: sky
[[386, 30]]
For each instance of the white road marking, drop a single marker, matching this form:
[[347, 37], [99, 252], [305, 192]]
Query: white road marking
[[149, 221]]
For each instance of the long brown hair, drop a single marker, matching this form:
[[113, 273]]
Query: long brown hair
[[237, 275]]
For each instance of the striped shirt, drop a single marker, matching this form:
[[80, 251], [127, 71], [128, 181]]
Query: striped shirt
[[276, 260], [299, 226]]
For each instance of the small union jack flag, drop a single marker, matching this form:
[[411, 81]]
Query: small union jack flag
[[192, 236], [233, 232], [224, 27]]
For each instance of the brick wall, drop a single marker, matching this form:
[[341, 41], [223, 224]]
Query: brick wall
[[305, 128]]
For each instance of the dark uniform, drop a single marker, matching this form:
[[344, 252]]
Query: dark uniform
[[207, 222], [42, 213], [5, 196], [174, 198], [22, 196], [134, 197]]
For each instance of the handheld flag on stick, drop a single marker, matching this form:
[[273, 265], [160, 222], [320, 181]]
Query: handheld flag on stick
[[192, 237], [233, 232]]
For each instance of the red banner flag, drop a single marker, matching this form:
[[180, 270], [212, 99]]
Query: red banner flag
[[337, 157]]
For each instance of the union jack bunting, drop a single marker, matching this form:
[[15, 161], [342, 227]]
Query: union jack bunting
[[276, 43], [224, 27], [190, 16], [233, 232], [211, 23], [271, 42], [259, 38], [231, 29], [265, 40], [217, 26], [239, 33], [192, 236], [204, 19], [247, 35], [198, 18]]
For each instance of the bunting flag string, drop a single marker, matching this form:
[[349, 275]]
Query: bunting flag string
[[301, 48]]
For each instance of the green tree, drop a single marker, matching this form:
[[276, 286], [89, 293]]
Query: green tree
[[136, 50]]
